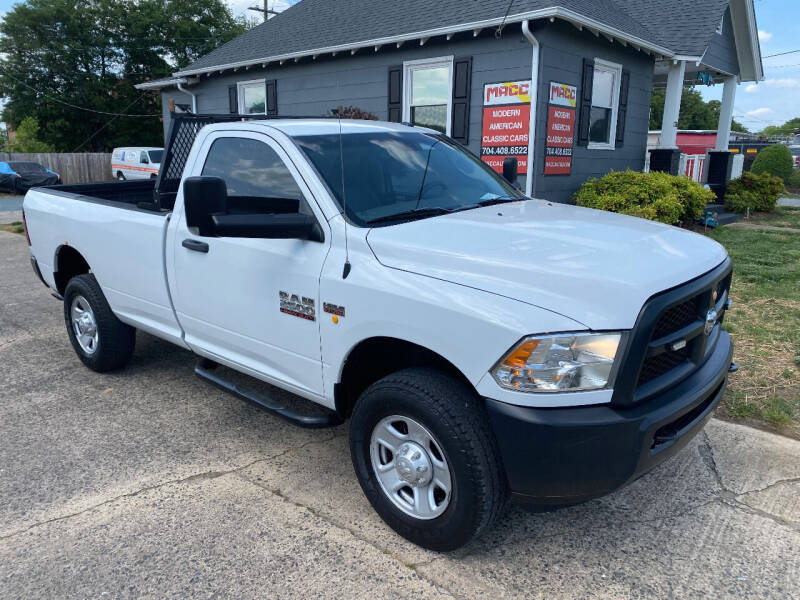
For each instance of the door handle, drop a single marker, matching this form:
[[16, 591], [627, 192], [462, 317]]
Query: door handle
[[195, 245]]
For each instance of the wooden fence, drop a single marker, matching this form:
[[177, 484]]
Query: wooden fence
[[76, 167]]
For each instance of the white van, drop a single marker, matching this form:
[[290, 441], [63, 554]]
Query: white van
[[136, 163]]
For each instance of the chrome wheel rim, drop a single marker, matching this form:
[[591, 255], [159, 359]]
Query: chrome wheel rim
[[411, 467], [84, 324]]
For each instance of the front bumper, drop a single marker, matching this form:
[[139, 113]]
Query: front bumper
[[568, 455]]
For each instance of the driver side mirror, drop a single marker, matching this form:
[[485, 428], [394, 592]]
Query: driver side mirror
[[510, 169], [206, 202], [203, 198]]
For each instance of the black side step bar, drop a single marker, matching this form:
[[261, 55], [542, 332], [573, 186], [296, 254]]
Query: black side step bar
[[329, 419]]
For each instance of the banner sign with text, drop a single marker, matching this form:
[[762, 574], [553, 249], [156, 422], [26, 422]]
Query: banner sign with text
[[560, 129], [506, 123]]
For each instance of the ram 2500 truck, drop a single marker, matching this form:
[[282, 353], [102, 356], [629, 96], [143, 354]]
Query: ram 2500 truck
[[483, 345]]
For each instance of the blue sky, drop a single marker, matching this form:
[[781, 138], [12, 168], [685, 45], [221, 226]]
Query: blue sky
[[776, 99], [770, 102]]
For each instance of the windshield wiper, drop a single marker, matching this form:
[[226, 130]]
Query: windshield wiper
[[499, 200], [414, 213]]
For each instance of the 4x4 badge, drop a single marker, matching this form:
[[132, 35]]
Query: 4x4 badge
[[333, 309]]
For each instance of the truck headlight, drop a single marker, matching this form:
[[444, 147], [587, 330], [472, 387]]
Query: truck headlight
[[559, 363]]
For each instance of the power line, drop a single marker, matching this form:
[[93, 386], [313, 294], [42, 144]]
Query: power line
[[111, 120], [781, 53], [75, 106]]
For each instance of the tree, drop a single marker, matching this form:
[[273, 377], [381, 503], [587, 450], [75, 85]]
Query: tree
[[695, 113], [787, 128], [26, 140], [73, 64]]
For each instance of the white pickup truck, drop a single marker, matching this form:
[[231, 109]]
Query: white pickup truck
[[482, 344]]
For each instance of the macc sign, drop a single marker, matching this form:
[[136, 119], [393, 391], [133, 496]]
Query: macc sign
[[563, 95], [511, 92]]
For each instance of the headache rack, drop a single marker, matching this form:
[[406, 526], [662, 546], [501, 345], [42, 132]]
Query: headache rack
[[183, 130]]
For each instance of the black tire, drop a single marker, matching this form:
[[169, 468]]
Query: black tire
[[120, 176], [115, 339], [456, 417]]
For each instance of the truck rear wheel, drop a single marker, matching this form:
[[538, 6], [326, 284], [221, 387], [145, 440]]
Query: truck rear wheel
[[426, 459], [100, 339]]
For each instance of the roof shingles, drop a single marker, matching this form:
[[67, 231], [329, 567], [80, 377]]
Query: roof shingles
[[683, 26]]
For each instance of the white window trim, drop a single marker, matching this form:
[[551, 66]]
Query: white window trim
[[426, 63], [240, 93], [612, 134]]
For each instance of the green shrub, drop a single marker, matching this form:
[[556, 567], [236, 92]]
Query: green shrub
[[775, 160], [794, 179], [656, 196], [757, 192]]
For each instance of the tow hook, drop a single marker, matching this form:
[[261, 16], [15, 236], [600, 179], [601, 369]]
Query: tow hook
[[733, 367]]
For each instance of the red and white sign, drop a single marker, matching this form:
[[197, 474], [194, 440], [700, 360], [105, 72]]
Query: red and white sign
[[560, 129], [506, 124], [563, 95]]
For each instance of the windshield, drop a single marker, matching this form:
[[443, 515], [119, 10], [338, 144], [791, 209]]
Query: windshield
[[388, 173], [26, 167], [155, 155]]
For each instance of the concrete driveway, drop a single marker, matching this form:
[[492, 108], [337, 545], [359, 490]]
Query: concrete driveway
[[151, 483]]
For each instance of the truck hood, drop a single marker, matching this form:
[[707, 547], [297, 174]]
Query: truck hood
[[592, 266]]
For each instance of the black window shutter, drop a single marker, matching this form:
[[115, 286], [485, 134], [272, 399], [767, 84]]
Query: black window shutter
[[585, 105], [233, 100], [622, 111], [272, 97], [395, 113], [462, 81]]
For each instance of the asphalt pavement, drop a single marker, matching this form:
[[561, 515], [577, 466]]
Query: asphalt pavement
[[150, 483]]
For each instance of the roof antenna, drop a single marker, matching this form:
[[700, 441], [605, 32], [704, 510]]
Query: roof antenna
[[347, 267]]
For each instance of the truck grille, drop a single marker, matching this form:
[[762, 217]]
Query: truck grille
[[662, 361], [676, 318], [656, 366], [669, 341]]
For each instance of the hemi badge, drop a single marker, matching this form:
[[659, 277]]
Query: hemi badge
[[679, 345]]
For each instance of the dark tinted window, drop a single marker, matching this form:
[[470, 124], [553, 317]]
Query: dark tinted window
[[254, 174], [387, 173], [26, 167], [155, 155]]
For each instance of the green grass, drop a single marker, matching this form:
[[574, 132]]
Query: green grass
[[15, 227], [765, 323], [784, 216]]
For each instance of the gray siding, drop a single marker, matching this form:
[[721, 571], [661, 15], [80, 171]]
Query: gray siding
[[721, 51], [314, 87], [563, 49]]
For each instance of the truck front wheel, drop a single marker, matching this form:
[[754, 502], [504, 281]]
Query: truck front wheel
[[426, 458], [100, 339]]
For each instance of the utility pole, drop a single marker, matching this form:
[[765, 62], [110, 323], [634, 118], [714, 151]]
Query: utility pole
[[266, 11]]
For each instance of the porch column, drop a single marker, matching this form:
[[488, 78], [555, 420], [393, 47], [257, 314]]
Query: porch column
[[667, 156], [720, 160], [672, 105], [726, 114]]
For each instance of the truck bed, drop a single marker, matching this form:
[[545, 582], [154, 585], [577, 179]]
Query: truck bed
[[136, 195]]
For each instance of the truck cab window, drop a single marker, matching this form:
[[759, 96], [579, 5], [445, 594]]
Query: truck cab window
[[256, 177]]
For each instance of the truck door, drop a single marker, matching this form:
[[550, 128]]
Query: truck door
[[249, 301]]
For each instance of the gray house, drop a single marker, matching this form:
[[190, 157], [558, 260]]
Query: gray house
[[562, 85]]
